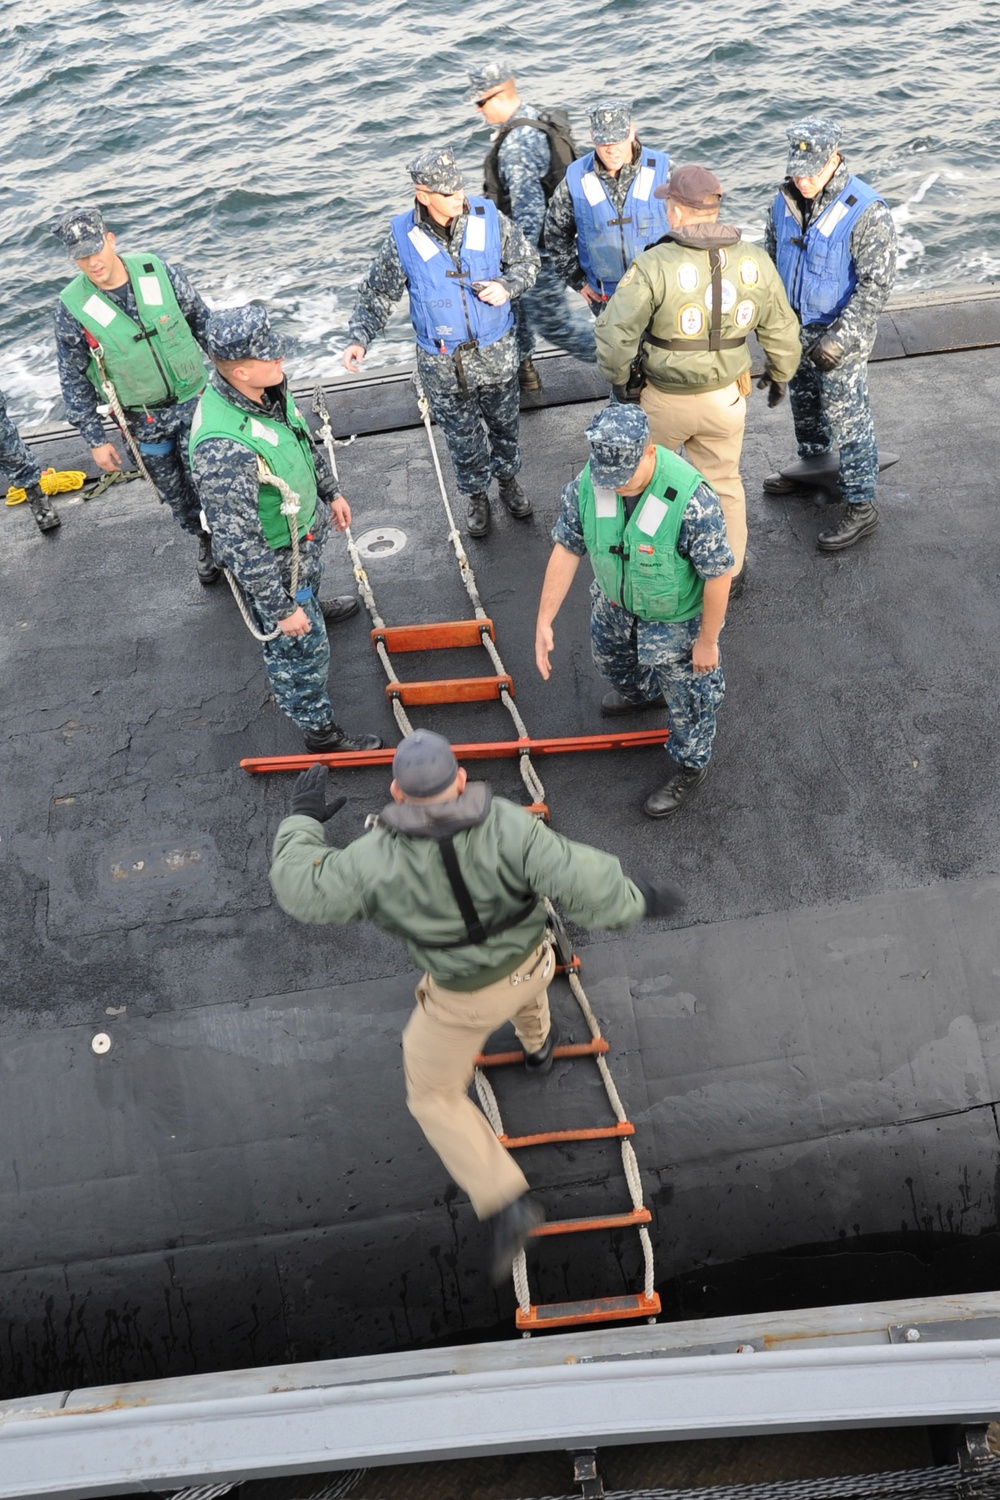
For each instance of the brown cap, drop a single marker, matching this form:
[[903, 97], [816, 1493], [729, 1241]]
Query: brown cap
[[695, 187]]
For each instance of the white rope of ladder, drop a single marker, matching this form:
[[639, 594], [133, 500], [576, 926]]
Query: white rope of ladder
[[291, 504], [484, 1089]]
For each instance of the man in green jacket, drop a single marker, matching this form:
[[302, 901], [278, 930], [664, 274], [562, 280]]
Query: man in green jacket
[[459, 876], [685, 306]]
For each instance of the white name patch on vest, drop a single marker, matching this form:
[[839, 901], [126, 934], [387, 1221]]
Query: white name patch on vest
[[644, 184], [651, 515], [592, 189], [475, 233], [422, 242], [728, 296], [150, 292], [100, 311], [605, 502], [258, 430], [831, 219]]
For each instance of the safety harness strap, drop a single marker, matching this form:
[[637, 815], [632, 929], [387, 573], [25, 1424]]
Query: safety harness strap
[[476, 933]]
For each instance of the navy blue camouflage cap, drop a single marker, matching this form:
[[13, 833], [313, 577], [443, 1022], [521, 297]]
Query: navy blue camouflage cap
[[437, 171], [244, 333], [610, 121], [82, 231], [811, 143], [488, 77], [618, 437], [424, 764]]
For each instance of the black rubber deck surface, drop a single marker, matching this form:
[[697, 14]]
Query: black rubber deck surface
[[810, 1053]]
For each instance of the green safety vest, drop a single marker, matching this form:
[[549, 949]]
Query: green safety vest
[[154, 362], [637, 564], [286, 450]]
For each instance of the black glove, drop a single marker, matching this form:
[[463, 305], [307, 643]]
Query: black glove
[[828, 351], [777, 389], [661, 900], [309, 796]]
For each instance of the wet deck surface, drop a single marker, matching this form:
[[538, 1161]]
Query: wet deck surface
[[810, 1052]]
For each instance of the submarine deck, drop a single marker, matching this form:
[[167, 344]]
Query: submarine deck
[[810, 1051]]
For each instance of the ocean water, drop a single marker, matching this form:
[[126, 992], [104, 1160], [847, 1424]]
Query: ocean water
[[262, 144]]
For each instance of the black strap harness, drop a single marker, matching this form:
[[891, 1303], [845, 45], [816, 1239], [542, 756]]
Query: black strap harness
[[475, 931]]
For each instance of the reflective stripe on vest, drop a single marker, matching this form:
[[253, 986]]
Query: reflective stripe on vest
[[637, 564], [444, 310], [155, 362], [286, 450], [608, 242], [816, 266]]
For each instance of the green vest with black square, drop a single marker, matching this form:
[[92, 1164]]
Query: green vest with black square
[[635, 557]]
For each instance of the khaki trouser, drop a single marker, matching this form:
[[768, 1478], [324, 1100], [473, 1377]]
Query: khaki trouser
[[440, 1042], [710, 425]]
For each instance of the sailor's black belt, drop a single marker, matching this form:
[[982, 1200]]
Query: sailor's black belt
[[677, 346], [140, 411]]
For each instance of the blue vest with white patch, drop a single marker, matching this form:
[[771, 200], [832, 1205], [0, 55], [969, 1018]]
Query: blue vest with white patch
[[817, 267], [608, 242], [444, 310]]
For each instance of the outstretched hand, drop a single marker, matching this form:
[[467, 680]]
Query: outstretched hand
[[309, 796]]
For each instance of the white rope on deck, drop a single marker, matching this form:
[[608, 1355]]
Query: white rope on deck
[[533, 783], [291, 504]]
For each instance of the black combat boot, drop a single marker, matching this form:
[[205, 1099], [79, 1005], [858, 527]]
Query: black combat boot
[[540, 1062], [341, 608], [478, 519], [42, 508], [528, 377], [613, 704], [514, 498], [207, 568], [739, 583], [332, 738], [668, 798], [509, 1231], [856, 522]]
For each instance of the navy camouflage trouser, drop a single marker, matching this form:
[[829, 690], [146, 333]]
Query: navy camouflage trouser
[[665, 667], [544, 312], [16, 461], [163, 438], [832, 406], [299, 666], [492, 411]]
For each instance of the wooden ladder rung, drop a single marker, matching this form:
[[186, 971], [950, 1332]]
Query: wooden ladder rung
[[597, 1310], [437, 636], [572, 1049], [449, 690], [555, 1137], [630, 1220]]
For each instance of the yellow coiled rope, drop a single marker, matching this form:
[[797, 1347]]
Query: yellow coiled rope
[[53, 482]]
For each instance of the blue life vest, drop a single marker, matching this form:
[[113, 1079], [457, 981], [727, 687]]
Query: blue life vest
[[817, 267], [444, 310], [608, 242]]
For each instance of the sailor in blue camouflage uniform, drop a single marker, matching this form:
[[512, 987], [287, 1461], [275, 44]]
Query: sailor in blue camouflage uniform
[[245, 415], [655, 534], [24, 472], [154, 361], [832, 238], [521, 171], [605, 210], [463, 264]]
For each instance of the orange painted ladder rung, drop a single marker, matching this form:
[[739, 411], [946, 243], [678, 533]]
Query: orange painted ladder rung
[[606, 1221], [597, 1310], [572, 1049], [449, 690], [632, 739], [554, 1137], [434, 637], [540, 810], [574, 964]]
